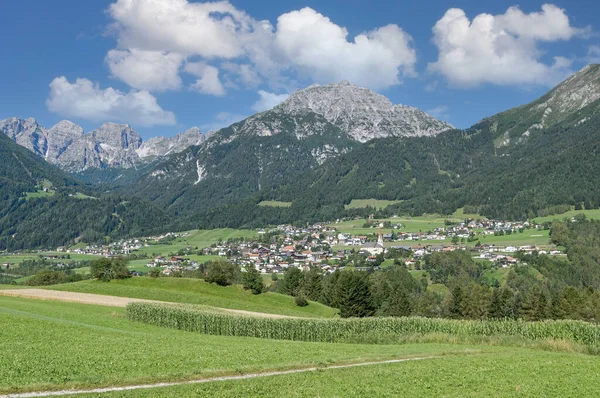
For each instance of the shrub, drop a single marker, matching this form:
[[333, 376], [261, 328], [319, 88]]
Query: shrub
[[106, 269], [300, 301]]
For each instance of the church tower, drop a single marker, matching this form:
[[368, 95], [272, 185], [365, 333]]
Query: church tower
[[380, 239]]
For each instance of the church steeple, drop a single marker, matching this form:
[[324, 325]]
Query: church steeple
[[380, 239]]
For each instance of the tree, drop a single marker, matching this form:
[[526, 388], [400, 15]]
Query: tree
[[252, 280], [353, 295], [292, 282], [106, 269], [222, 272], [312, 286], [456, 308]]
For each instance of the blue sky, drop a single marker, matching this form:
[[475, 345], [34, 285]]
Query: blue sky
[[166, 65]]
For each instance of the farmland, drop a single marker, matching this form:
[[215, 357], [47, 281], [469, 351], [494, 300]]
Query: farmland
[[196, 291], [503, 373], [87, 352], [197, 238], [88, 349]]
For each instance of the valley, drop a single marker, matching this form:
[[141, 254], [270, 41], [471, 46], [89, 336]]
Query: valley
[[333, 243]]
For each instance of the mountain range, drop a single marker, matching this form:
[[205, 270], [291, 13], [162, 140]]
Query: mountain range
[[327, 145], [109, 146]]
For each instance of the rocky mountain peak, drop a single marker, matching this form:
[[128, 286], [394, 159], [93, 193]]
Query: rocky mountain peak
[[360, 112], [118, 136]]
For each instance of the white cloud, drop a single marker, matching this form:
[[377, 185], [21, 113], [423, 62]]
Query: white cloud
[[439, 112], [86, 100], [244, 73], [208, 82], [147, 70], [252, 52], [268, 100], [207, 29], [501, 49], [319, 49]]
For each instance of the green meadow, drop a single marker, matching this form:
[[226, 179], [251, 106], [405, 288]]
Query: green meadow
[[196, 291]]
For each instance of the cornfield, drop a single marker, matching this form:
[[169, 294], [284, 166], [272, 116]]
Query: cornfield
[[200, 320]]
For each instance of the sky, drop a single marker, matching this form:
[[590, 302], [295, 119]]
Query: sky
[[164, 66]]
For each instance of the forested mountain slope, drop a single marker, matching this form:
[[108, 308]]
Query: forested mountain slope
[[41, 206]]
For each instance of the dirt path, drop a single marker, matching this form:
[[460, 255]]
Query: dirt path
[[206, 380], [110, 301]]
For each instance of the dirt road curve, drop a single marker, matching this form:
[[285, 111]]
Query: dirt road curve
[[110, 301]]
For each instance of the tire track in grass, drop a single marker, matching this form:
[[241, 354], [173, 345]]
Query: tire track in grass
[[208, 379]]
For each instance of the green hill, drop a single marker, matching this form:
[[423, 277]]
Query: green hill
[[196, 291]]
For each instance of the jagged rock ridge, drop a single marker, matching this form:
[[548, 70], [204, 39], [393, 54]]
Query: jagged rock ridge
[[111, 145]]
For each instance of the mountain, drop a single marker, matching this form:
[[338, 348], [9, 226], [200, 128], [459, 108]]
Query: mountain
[[274, 147], [550, 168], [111, 146], [575, 93], [161, 146], [40, 208]]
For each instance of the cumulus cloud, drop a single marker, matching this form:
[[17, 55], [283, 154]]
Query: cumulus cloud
[[501, 49], [146, 70], [268, 100], [86, 100], [320, 49], [208, 82], [210, 30], [251, 52]]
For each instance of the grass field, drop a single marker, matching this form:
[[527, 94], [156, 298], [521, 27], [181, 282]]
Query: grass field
[[594, 213], [196, 291], [199, 239], [39, 194], [503, 373], [375, 203], [97, 346], [274, 203]]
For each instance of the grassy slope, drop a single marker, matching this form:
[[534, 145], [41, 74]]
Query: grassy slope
[[97, 346], [196, 291], [274, 203], [376, 203], [595, 214]]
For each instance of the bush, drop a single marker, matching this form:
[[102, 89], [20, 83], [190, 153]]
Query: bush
[[154, 273], [222, 272], [300, 301], [106, 269]]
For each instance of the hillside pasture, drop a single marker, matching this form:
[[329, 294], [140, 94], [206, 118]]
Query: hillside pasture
[[375, 203], [274, 203], [196, 291]]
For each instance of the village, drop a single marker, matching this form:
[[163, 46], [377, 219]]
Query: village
[[322, 245]]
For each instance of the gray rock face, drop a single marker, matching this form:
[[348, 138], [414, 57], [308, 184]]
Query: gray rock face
[[161, 146], [576, 92], [27, 133], [60, 137], [361, 113], [111, 145]]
